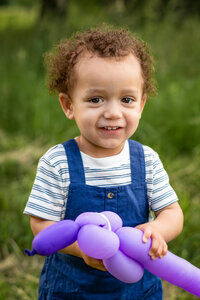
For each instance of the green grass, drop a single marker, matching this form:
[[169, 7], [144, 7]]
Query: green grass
[[28, 109], [17, 17], [32, 121]]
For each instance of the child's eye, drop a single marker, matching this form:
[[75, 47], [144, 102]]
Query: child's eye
[[96, 100], [128, 100]]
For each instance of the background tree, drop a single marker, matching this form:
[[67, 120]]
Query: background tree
[[57, 8]]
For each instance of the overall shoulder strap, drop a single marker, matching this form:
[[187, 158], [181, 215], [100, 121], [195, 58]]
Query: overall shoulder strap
[[75, 163], [138, 172]]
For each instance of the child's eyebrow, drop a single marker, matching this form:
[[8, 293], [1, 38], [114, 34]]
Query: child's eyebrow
[[92, 91], [131, 91]]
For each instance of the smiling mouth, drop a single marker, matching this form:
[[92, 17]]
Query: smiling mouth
[[111, 128]]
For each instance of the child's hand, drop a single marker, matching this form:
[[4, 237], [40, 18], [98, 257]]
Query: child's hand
[[75, 250], [159, 246], [92, 262]]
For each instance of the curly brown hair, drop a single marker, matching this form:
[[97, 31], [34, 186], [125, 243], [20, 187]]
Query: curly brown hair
[[102, 41]]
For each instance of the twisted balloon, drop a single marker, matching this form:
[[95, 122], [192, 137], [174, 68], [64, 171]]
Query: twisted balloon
[[101, 236]]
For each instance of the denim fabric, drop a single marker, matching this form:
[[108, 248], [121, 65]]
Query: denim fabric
[[68, 277]]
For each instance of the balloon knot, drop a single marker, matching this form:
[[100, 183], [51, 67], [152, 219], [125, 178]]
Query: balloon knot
[[30, 253]]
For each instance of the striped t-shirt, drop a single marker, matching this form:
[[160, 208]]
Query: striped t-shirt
[[49, 194]]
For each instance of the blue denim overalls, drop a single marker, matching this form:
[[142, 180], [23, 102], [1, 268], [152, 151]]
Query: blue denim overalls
[[69, 277]]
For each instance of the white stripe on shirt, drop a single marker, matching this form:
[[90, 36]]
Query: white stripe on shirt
[[50, 190]]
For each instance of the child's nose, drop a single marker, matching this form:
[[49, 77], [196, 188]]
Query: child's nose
[[112, 110]]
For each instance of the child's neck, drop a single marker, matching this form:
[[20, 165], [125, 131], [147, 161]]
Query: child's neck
[[96, 151]]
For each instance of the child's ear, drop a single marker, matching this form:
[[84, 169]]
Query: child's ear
[[66, 105], [142, 104]]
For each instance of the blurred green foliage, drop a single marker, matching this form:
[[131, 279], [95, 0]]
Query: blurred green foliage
[[175, 48], [32, 121]]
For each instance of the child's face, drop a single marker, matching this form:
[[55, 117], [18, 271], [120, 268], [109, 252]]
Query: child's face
[[106, 103]]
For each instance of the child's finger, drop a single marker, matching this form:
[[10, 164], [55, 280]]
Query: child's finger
[[155, 249], [94, 263], [98, 264], [158, 249], [146, 235], [164, 250], [147, 232]]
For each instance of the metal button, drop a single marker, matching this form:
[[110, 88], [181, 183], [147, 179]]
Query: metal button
[[110, 195]]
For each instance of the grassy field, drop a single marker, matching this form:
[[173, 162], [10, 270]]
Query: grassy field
[[32, 121]]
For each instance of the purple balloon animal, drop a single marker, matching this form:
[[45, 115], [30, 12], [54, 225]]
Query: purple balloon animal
[[101, 236]]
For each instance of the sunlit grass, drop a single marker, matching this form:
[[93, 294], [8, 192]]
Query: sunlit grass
[[32, 121], [168, 118], [17, 17]]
